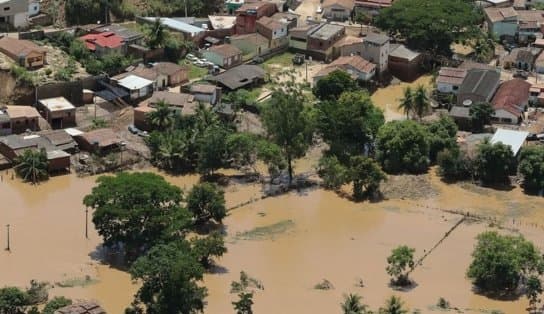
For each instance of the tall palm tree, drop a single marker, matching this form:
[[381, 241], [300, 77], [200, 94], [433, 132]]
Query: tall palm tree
[[407, 102], [32, 165], [421, 101], [352, 305], [162, 117], [156, 34], [394, 305], [205, 117]]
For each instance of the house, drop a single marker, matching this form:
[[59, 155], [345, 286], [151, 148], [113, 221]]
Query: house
[[250, 44], [478, 86], [521, 58], [163, 74], [248, 14], [61, 139], [461, 116], [137, 87], [376, 49], [33, 7], [529, 24], [539, 64], [81, 308], [287, 18], [404, 63], [450, 79], [58, 111], [222, 22], [502, 21], [100, 141], [349, 45], [321, 40], [274, 31], [372, 6], [356, 66], [23, 118], [510, 101], [206, 93], [13, 145], [225, 56], [298, 37], [338, 10], [175, 73], [26, 53], [514, 139], [129, 36], [181, 103], [5, 122], [14, 13], [104, 43], [242, 76]]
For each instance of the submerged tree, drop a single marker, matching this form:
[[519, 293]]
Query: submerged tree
[[393, 305], [399, 265], [407, 102], [32, 165], [244, 304], [352, 305], [206, 202], [162, 117]]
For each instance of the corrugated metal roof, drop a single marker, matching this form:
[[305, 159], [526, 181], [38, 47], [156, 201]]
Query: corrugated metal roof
[[514, 139], [133, 82], [177, 25]]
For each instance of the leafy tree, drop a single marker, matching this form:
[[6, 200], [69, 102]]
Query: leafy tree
[[407, 102], [244, 304], [162, 117], [37, 292], [362, 17], [206, 201], [533, 290], [271, 154], [442, 135], [480, 115], [12, 300], [333, 173], [501, 262], [393, 305], [78, 50], [484, 47], [366, 176], [421, 101], [242, 149], [431, 25], [334, 84], [494, 162], [169, 274], [55, 304], [138, 210], [207, 247], [288, 123], [212, 150], [79, 12], [352, 305], [156, 34], [453, 165], [349, 125], [399, 264], [531, 166], [110, 64], [32, 165], [403, 146], [172, 150]]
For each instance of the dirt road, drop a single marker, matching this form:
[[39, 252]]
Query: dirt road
[[307, 8]]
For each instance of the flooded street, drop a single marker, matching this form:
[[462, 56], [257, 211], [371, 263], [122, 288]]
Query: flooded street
[[290, 243], [388, 98]]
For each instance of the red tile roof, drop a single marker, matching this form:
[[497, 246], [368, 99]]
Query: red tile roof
[[355, 61], [106, 40], [511, 95], [226, 50]]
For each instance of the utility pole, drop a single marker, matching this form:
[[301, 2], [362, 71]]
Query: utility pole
[[8, 247], [86, 223], [185, 8]]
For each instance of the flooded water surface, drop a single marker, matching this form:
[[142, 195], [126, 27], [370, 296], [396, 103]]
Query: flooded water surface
[[290, 243]]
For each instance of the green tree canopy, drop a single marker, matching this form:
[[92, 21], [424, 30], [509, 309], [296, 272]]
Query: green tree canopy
[[212, 150], [55, 304], [244, 304], [442, 135], [366, 176], [12, 300], [453, 165], [431, 25], [349, 125], [162, 117], [531, 166], [137, 209], [399, 264], [494, 163], [501, 262], [403, 146], [206, 202], [393, 305], [169, 274], [334, 84], [204, 248], [32, 165], [352, 305], [480, 115]]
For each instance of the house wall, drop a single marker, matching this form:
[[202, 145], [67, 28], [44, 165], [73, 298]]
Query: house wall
[[298, 43], [34, 60], [246, 23], [213, 57], [325, 44], [503, 116], [377, 54], [58, 164], [336, 12], [404, 70], [504, 28], [447, 88], [102, 51], [20, 125], [179, 77], [248, 47], [350, 50], [15, 13], [140, 120], [68, 117]]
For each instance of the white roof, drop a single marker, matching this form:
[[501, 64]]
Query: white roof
[[509, 137], [133, 82], [54, 154], [222, 21], [57, 103], [73, 131], [178, 25]]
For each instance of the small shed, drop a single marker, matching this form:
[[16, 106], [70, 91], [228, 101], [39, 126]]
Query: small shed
[[99, 141], [137, 87], [514, 139], [58, 111]]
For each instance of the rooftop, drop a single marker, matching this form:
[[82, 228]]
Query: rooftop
[[326, 31], [514, 139], [226, 50], [357, 62], [511, 95], [172, 99], [222, 21], [81, 308], [480, 82], [17, 112], [133, 82], [453, 76], [349, 40], [57, 104], [203, 89], [269, 23], [240, 76], [19, 47], [495, 14], [343, 3], [402, 52], [123, 32], [378, 39], [460, 112], [105, 39], [377, 4], [177, 25], [102, 137], [255, 38]]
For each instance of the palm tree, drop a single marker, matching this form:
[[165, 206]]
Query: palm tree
[[407, 102], [162, 117], [32, 165], [205, 117], [421, 101], [156, 35], [393, 305], [352, 305]]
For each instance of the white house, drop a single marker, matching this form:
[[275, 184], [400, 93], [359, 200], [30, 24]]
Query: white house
[[14, 12], [376, 49], [138, 87]]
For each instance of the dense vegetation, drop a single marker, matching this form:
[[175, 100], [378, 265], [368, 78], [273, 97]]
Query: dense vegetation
[[32, 165]]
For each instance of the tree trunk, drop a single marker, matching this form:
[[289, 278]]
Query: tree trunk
[[290, 169]]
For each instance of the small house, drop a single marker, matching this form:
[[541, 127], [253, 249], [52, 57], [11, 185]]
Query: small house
[[376, 49], [321, 40], [136, 86], [273, 30], [225, 56], [24, 52], [356, 66], [478, 86], [206, 93], [450, 79], [510, 101], [14, 13], [521, 58], [100, 141], [502, 21], [461, 116], [85, 307], [250, 44], [248, 14], [242, 76], [104, 43], [514, 139], [348, 46], [58, 112], [338, 10], [404, 63], [23, 118], [181, 103]]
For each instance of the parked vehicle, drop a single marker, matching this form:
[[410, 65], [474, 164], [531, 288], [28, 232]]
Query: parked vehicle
[[298, 59], [132, 129], [257, 60], [191, 57], [521, 74], [199, 63]]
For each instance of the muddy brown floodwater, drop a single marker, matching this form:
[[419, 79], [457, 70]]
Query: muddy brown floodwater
[[290, 243]]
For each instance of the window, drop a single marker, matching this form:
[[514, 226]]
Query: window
[[7, 8], [455, 87]]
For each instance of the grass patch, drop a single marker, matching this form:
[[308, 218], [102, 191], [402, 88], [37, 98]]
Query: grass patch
[[194, 71], [279, 62], [266, 232], [76, 282]]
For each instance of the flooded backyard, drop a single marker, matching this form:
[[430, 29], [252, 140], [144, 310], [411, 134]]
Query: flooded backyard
[[290, 243]]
